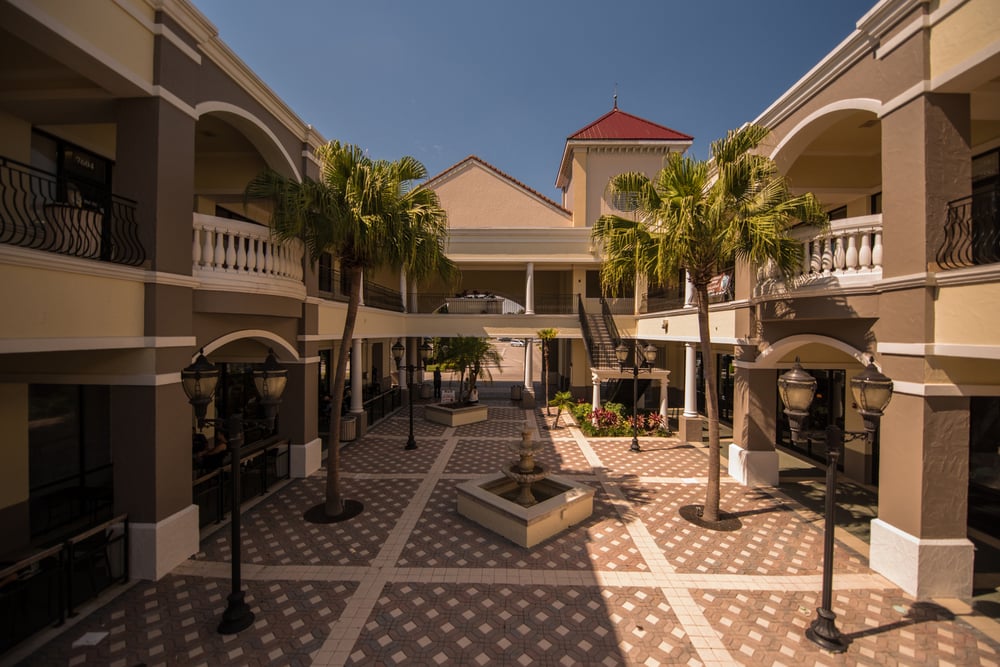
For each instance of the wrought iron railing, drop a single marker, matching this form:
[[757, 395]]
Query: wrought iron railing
[[972, 231], [554, 304], [34, 215], [261, 464], [609, 321], [384, 298], [43, 588]]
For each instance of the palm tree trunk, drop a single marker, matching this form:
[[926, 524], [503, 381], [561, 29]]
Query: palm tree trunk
[[710, 512], [334, 505]]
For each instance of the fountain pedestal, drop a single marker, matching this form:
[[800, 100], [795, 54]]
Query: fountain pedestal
[[522, 502]]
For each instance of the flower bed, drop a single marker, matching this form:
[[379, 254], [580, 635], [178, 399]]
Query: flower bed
[[608, 421]]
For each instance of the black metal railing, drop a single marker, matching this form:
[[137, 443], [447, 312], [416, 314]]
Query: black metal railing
[[44, 588], [261, 464], [554, 304], [382, 405], [384, 298], [34, 215], [609, 321], [971, 231], [656, 304], [598, 341]]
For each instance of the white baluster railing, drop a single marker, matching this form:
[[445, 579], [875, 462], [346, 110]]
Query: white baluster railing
[[849, 251], [237, 253]]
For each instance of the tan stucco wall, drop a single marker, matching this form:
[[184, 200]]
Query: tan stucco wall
[[54, 304], [123, 40], [475, 197], [602, 166], [14, 453], [722, 324]]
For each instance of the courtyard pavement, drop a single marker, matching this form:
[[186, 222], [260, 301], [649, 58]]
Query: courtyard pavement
[[411, 582]]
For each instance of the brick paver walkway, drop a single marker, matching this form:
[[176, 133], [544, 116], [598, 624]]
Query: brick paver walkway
[[410, 582]]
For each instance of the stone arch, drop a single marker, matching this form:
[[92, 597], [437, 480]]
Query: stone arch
[[815, 124], [282, 349], [771, 356], [259, 134]]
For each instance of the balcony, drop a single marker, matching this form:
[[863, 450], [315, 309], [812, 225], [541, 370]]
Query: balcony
[[972, 231], [848, 254], [39, 212], [241, 256]]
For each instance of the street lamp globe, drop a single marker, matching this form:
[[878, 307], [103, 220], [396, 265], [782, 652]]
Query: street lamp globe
[[270, 382], [397, 351], [649, 353], [872, 391], [199, 381], [621, 353], [426, 350], [797, 389]]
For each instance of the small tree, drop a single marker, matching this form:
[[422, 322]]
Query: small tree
[[546, 336], [563, 400]]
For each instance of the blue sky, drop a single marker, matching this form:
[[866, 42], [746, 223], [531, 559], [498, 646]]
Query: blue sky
[[509, 80]]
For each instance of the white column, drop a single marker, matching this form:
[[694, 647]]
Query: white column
[[595, 401], [529, 290], [361, 296], [688, 291], [357, 400], [690, 380], [402, 371], [528, 371], [663, 400]]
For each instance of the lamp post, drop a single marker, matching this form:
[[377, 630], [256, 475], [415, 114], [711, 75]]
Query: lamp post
[[397, 354], [872, 391], [199, 381], [648, 358]]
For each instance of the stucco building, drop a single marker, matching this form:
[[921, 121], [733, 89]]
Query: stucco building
[[128, 131]]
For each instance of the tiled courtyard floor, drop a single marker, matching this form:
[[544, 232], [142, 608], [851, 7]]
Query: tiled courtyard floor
[[410, 582]]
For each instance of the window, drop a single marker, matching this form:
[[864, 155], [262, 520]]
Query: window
[[838, 213], [69, 455], [83, 178], [875, 205], [624, 202]]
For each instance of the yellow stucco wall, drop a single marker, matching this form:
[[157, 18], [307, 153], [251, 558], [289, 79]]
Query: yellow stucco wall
[[722, 324], [963, 33], [967, 315], [476, 197], [112, 31], [42, 303]]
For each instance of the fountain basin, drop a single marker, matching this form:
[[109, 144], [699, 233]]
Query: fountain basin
[[455, 416], [562, 503]]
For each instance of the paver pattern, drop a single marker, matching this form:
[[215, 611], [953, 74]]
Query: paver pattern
[[411, 582]]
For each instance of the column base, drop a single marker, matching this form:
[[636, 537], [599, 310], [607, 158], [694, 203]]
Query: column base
[[157, 548], [689, 429], [527, 398], [753, 467], [922, 568], [305, 459]]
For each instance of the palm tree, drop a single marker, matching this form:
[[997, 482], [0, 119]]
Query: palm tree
[[368, 214], [473, 356], [546, 336], [699, 217], [563, 400]]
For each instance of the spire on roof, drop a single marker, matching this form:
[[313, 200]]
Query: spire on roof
[[616, 95]]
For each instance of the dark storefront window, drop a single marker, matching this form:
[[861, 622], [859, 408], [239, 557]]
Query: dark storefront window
[[69, 457], [984, 464]]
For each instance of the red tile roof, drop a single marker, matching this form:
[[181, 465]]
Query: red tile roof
[[619, 125]]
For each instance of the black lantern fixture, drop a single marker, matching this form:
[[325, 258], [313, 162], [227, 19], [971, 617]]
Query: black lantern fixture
[[648, 359], [425, 350], [199, 381], [797, 389], [872, 392]]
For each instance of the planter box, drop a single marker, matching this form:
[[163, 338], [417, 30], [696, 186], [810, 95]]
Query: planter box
[[467, 414]]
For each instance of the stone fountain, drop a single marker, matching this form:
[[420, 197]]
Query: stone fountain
[[522, 502]]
